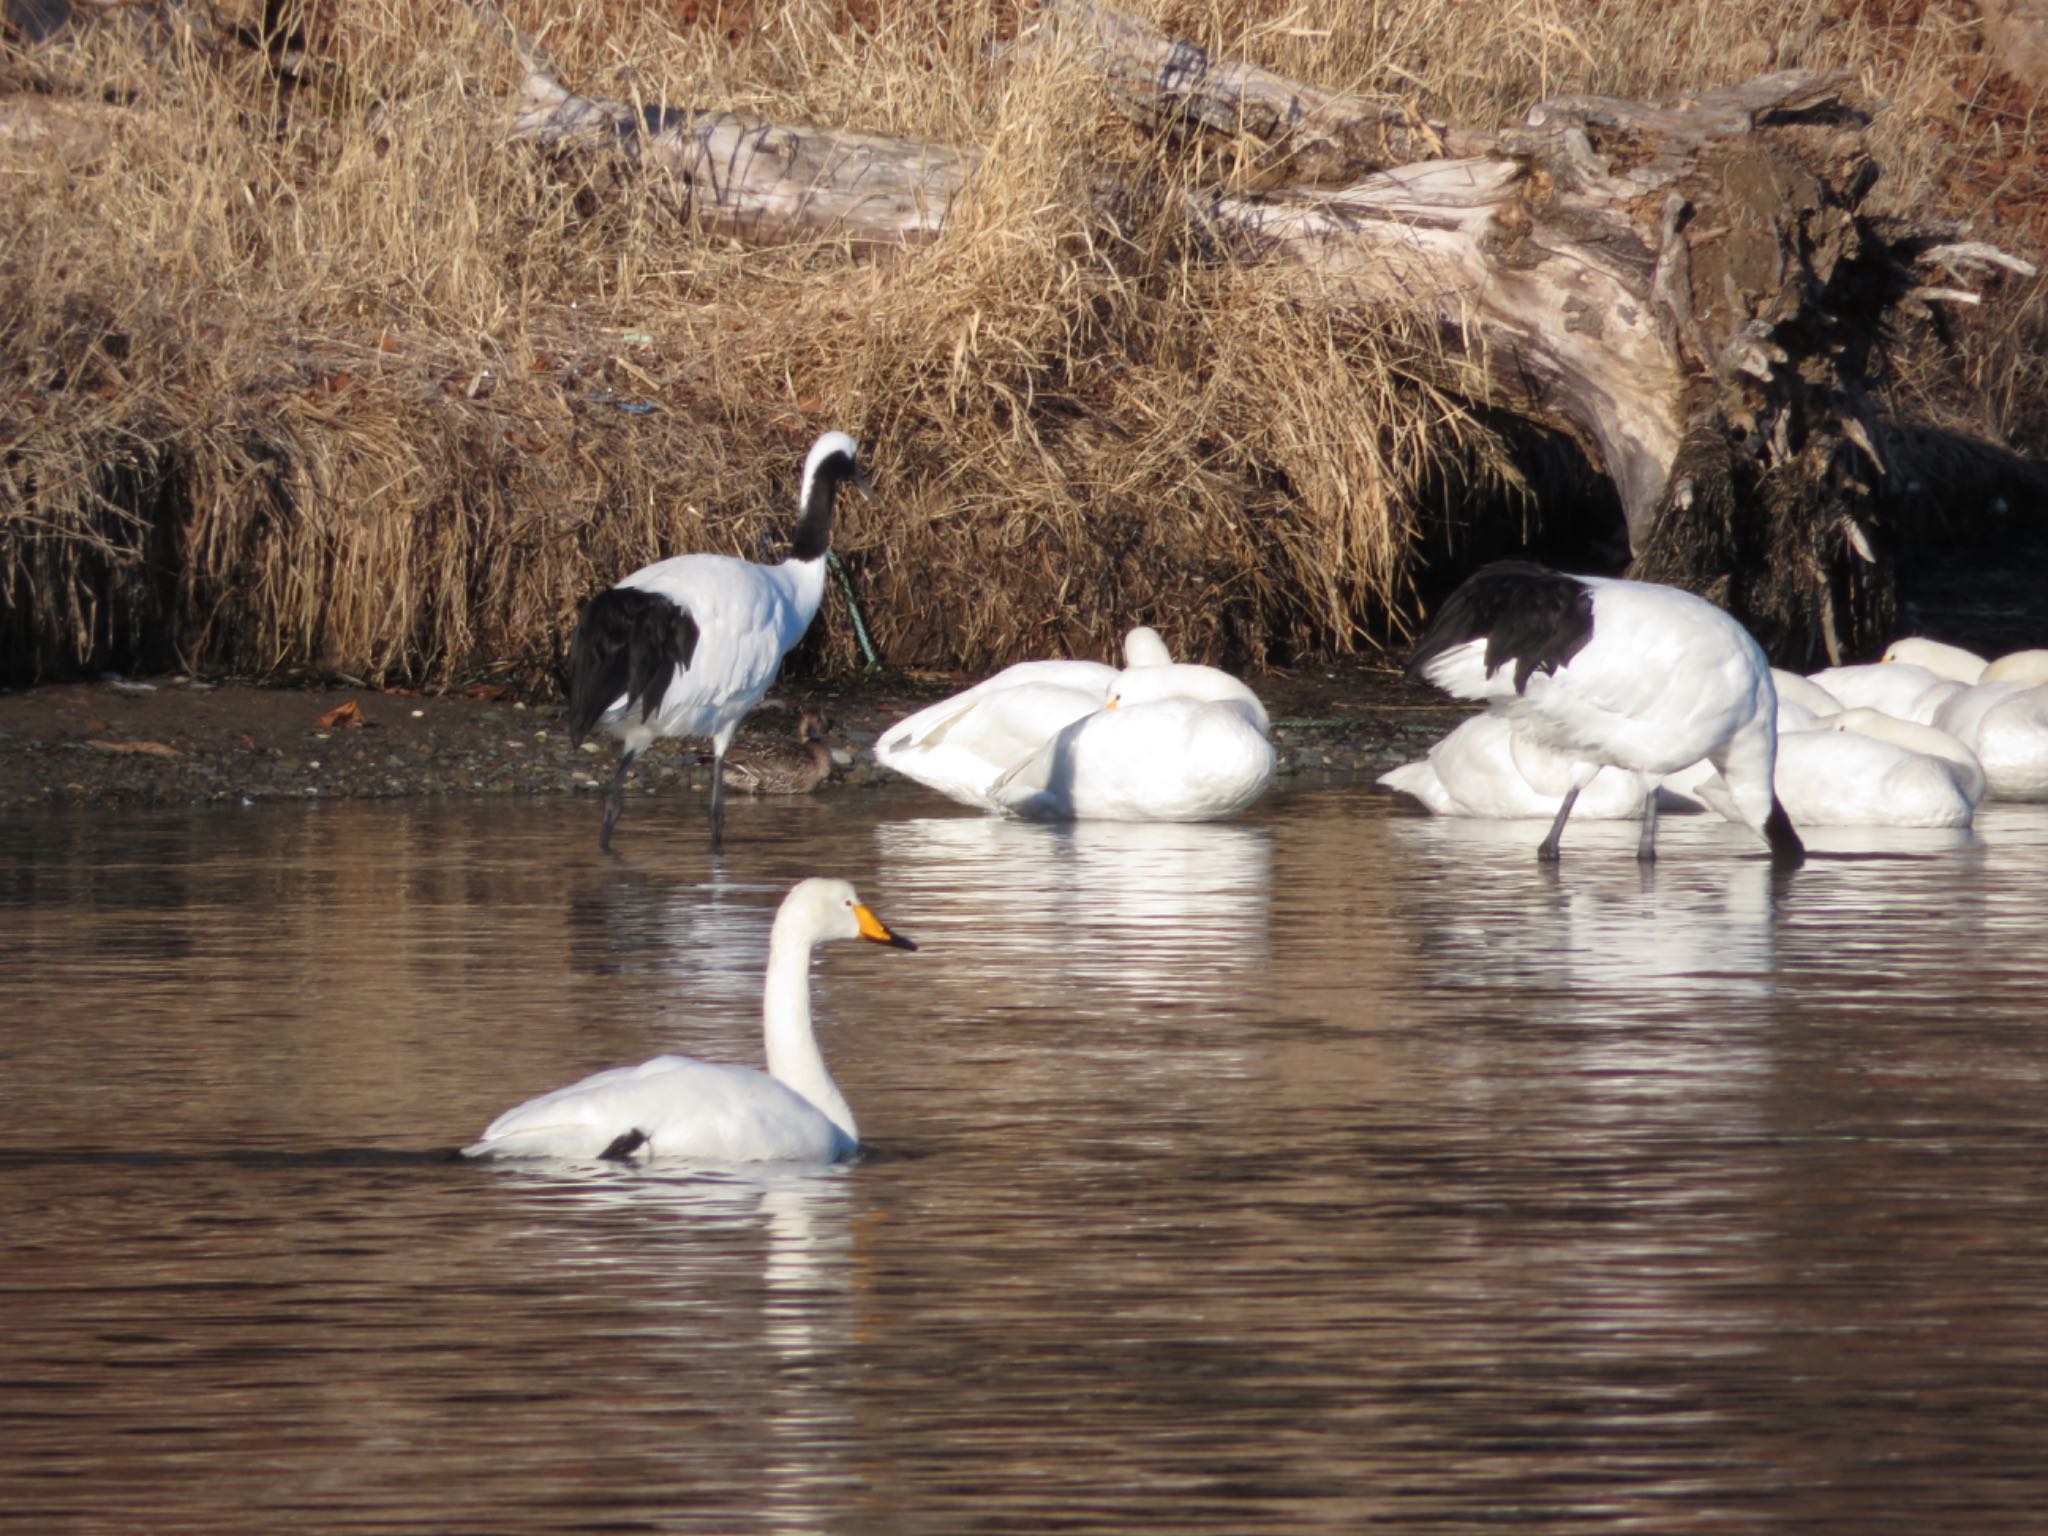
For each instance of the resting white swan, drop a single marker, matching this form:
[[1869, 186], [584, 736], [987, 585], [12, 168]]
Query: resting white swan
[[1174, 743], [701, 1111], [1967, 667], [1843, 778], [1925, 739], [1488, 768], [1902, 689], [1943, 660], [2006, 725], [1809, 695], [962, 745], [2030, 667]]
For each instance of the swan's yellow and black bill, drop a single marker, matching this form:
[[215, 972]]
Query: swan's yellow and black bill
[[872, 927]]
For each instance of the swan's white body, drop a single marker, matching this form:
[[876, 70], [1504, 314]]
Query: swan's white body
[[1173, 743], [1487, 768], [962, 745], [1843, 778], [1809, 695], [1627, 674], [1967, 667], [1902, 689], [2006, 725], [677, 1107], [1928, 740], [1943, 660], [2030, 667]]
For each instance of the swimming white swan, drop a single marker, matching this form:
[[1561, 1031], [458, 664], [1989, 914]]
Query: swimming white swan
[[687, 646], [962, 745], [1624, 673], [1487, 768], [680, 1107], [1174, 743]]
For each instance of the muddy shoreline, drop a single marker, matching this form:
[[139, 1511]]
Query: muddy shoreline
[[164, 741]]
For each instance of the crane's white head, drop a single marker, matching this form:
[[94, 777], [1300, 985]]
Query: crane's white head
[[836, 457], [834, 460]]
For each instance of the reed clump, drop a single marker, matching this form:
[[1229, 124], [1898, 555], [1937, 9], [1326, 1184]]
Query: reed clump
[[310, 371]]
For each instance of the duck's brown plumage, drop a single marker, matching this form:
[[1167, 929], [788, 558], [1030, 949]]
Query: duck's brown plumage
[[782, 767]]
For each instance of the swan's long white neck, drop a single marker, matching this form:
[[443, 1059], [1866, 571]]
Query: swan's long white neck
[[793, 1054]]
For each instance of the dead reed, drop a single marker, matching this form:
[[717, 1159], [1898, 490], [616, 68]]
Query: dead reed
[[317, 374]]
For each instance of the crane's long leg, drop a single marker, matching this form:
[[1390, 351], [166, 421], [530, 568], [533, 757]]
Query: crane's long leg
[[615, 799], [1646, 847], [717, 796], [1547, 849]]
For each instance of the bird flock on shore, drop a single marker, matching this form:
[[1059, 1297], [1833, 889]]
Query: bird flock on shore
[[1606, 698]]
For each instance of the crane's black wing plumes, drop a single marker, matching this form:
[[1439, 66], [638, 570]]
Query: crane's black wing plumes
[[1526, 613], [629, 642]]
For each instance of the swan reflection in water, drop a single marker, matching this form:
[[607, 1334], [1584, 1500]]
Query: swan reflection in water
[[1149, 910], [702, 1265]]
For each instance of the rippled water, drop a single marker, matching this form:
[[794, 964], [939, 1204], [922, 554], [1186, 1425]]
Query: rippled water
[[1330, 1170]]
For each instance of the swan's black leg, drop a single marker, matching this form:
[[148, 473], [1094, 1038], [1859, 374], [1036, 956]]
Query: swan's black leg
[[1547, 849]]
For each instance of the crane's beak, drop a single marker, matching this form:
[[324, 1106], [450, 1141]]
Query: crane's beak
[[862, 483], [872, 928]]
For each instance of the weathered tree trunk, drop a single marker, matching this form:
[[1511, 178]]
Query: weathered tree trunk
[[1689, 288], [761, 181]]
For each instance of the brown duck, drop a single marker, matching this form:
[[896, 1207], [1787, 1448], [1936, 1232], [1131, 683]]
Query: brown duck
[[782, 767]]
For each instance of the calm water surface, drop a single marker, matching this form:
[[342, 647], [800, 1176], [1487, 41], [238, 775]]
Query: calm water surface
[[1333, 1169]]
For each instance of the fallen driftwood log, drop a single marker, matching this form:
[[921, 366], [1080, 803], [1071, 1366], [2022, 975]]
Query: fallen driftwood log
[[1690, 288]]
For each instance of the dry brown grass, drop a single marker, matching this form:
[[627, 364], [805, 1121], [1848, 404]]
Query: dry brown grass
[[333, 380]]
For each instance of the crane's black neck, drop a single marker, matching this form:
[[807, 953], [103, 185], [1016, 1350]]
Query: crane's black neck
[[821, 494]]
